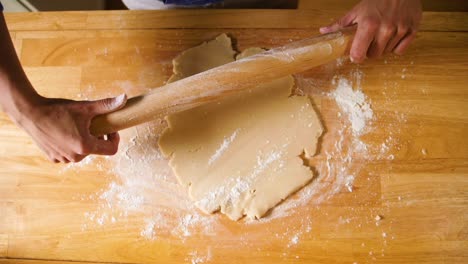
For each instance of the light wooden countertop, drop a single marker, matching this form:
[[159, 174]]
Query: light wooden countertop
[[420, 99]]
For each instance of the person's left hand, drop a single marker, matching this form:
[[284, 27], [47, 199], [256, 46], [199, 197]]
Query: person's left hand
[[383, 26]]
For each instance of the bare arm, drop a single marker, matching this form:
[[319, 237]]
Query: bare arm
[[17, 93], [59, 127]]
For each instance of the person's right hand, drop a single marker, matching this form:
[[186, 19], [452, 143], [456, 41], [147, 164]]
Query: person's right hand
[[61, 127], [383, 26]]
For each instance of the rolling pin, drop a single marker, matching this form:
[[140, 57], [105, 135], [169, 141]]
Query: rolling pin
[[227, 79]]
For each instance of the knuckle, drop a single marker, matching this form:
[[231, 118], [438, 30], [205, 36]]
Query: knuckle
[[341, 22], [403, 30], [370, 23], [387, 30], [401, 34]]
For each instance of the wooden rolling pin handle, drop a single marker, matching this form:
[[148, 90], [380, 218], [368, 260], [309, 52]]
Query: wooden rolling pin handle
[[233, 77]]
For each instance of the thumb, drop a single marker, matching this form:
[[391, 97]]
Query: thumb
[[339, 24], [108, 105]]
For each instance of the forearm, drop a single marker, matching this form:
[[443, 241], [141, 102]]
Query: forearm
[[16, 92], [59, 127]]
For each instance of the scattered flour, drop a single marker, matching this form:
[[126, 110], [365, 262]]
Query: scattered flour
[[118, 194], [294, 240], [144, 185], [349, 182], [354, 104], [424, 151], [198, 257], [149, 231], [335, 168]]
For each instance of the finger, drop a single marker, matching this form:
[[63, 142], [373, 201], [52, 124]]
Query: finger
[[50, 153], [52, 157], [44, 150], [400, 34], [79, 158], [56, 158], [114, 137], [74, 157], [404, 44], [339, 24], [384, 34], [62, 159], [56, 152], [107, 105], [362, 40], [53, 153], [106, 147]]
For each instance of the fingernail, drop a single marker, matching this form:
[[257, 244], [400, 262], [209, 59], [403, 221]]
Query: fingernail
[[119, 99], [357, 61]]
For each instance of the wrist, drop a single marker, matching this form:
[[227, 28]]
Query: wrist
[[20, 101]]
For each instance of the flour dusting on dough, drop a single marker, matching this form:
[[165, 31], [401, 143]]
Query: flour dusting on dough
[[222, 148], [237, 185], [255, 176], [263, 163]]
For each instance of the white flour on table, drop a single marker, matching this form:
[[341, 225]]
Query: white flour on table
[[353, 103]]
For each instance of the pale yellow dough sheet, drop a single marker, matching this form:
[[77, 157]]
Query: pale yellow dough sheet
[[240, 155]]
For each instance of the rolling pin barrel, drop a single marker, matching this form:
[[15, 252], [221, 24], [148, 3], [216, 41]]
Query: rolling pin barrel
[[236, 76]]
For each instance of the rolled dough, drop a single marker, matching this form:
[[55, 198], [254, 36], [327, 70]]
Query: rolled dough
[[240, 155]]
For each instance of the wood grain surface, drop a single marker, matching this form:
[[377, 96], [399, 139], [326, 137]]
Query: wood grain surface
[[421, 193]]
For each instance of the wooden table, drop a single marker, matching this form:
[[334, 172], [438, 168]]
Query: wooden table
[[420, 193]]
